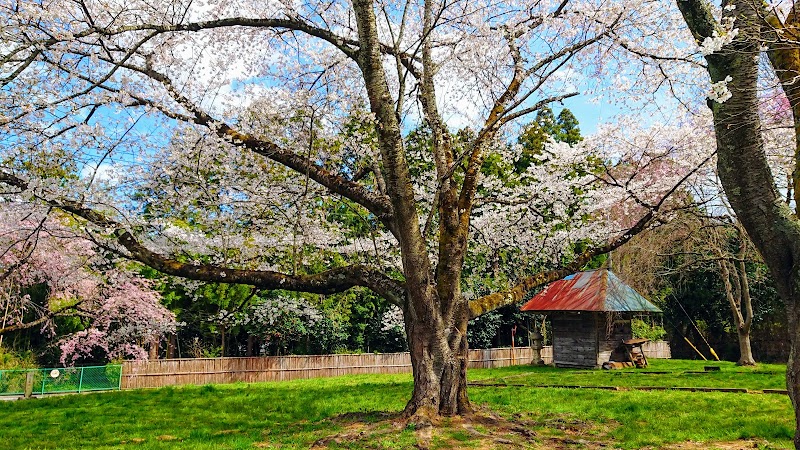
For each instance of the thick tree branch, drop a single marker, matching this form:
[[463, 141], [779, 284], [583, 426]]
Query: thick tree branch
[[70, 309], [376, 203], [399, 187], [518, 293], [26, 325], [332, 281], [472, 172], [361, 173], [699, 18]]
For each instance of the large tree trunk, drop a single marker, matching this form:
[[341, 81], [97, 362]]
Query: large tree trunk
[[152, 352], [785, 58], [748, 183], [439, 357], [435, 312], [250, 341], [171, 342]]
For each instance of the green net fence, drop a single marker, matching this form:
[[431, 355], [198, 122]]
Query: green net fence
[[64, 379]]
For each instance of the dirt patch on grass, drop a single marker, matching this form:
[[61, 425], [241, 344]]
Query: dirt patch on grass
[[483, 430], [167, 438], [488, 431], [360, 428]]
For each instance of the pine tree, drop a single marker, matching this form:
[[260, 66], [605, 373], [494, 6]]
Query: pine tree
[[545, 127]]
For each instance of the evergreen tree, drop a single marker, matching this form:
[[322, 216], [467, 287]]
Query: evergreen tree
[[546, 126], [566, 128]]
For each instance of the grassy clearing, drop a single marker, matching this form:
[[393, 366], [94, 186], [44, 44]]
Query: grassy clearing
[[360, 411], [679, 373]]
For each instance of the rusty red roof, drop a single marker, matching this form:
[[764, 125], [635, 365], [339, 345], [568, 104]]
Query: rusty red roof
[[593, 290]]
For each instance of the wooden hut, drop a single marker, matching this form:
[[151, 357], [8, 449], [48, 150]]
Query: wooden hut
[[591, 314]]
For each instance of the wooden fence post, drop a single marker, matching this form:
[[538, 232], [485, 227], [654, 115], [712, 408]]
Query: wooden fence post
[[29, 384]]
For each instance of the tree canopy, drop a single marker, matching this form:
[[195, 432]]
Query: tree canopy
[[317, 147]]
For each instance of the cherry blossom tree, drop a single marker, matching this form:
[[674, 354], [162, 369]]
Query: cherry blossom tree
[[33, 254], [281, 320], [256, 143], [48, 272], [127, 316]]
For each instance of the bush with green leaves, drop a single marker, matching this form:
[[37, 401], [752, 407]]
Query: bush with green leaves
[[647, 330], [16, 360]]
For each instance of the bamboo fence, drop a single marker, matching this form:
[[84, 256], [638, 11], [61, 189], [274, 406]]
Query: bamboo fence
[[657, 350], [198, 371]]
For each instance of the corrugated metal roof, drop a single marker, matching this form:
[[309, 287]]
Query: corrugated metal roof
[[593, 290]]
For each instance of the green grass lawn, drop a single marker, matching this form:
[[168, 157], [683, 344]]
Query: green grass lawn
[[297, 414], [679, 373]]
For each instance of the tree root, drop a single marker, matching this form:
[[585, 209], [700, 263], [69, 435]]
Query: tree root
[[484, 427]]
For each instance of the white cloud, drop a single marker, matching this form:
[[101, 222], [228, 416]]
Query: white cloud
[[102, 173]]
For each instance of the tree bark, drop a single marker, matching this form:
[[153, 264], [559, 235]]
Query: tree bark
[[435, 312], [745, 350], [153, 350], [439, 360], [171, 341]]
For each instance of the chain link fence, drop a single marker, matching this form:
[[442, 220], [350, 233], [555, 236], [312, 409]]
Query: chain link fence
[[60, 380]]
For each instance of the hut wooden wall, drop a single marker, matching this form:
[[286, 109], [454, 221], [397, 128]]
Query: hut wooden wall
[[588, 339], [574, 339]]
